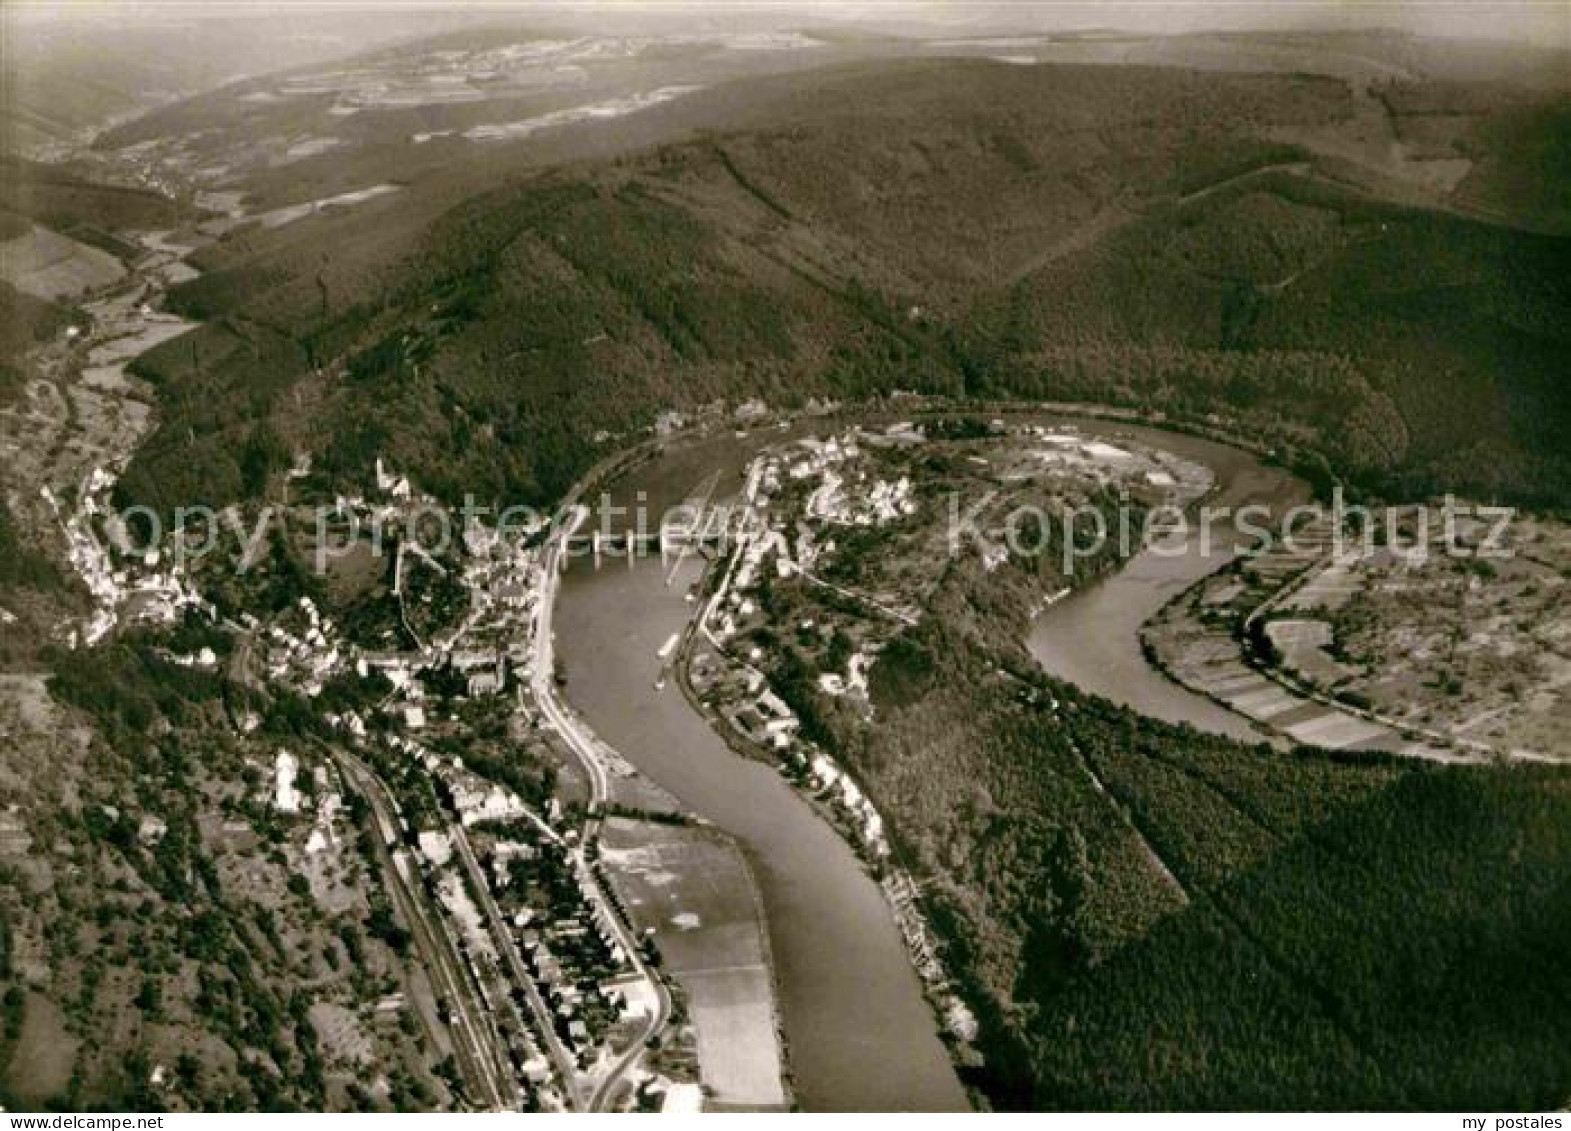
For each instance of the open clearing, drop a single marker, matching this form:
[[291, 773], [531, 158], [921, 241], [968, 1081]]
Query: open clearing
[[47, 265], [691, 888]]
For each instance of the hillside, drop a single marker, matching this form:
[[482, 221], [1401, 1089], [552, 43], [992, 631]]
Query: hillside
[[1300, 940], [1351, 249], [69, 73], [1141, 915], [70, 199], [1284, 980], [1421, 349], [1122, 234]]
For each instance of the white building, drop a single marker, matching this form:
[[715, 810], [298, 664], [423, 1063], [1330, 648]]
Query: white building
[[286, 799]]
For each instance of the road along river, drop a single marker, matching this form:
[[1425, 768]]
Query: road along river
[[859, 1031]]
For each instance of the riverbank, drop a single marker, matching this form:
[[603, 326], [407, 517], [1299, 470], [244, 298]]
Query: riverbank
[[690, 890], [859, 826], [902, 894], [858, 1033]]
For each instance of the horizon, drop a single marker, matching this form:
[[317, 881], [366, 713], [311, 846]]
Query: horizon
[[1528, 22]]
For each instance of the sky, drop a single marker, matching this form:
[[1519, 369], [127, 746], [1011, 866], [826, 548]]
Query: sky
[[1546, 22]]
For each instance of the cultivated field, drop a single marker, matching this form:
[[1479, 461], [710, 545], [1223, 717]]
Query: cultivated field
[[47, 265], [1401, 647], [690, 889]]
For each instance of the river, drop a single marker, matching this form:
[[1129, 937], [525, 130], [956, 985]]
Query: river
[[1092, 637], [859, 1031], [860, 1034]]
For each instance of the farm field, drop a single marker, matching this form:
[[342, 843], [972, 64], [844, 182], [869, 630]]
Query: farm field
[[49, 266], [1401, 646], [689, 889], [1475, 647]]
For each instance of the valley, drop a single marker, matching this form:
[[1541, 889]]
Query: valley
[[355, 763]]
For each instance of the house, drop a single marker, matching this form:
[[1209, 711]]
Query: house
[[771, 705], [485, 683], [825, 772], [286, 799], [436, 846], [471, 658], [636, 995], [494, 804], [389, 483], [750, 411]]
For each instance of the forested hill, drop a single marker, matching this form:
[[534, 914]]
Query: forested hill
[[1135, 235]]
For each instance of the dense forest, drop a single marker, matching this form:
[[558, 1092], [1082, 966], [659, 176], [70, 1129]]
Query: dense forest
[[1149, 917], [1419, 352], [1376, 963], [1123, 235], [1142, 915]]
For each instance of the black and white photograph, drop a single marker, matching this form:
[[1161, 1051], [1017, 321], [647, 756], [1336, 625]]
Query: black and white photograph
[[785, 556]]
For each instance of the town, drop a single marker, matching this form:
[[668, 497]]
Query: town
[[559, 998]]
